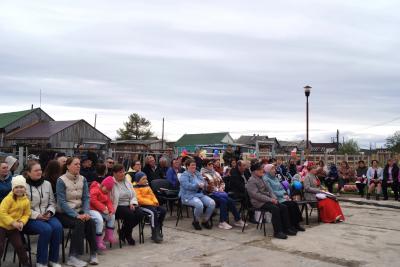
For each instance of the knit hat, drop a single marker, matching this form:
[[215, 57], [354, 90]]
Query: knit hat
[[10, 160], [268, 167], [139, 175], [18, 181], [108, 183]]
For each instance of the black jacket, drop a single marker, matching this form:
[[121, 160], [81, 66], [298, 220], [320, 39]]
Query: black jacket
[[237, 184], [150, 173], [395, 173]]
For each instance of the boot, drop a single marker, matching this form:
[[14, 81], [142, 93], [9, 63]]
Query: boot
[[368, 196], [100, 243], [377, 197], [155, 235], [109, 236]]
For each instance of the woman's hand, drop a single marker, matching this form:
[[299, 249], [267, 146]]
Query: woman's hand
[[132, 207]]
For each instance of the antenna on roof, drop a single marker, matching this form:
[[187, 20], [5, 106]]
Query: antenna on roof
[[95, 120]]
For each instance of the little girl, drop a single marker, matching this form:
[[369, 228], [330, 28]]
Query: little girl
[[101, 208], [15, 210]]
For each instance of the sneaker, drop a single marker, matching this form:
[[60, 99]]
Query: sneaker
[[54, 264], [75, 262], [224, 225], [196, 225], [239, 223], [93, 260], [40, 265]]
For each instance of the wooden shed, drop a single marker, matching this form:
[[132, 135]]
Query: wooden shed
[[57, 134]]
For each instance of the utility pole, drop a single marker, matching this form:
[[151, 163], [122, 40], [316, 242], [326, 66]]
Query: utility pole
[[95, 120], [162, 135]]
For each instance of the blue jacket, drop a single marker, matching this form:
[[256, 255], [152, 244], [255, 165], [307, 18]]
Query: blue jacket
[[172, 178], [5, 186], [190, 185], [276, 186]]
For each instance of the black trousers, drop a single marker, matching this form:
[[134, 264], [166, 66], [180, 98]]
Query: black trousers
[[15, 238], [280, 216], [360, 187], [329, 184], [130, 218], [80, 230], [393, 185], [294, 213]]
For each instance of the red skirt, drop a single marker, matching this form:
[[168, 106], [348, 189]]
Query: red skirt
[[329, 210]]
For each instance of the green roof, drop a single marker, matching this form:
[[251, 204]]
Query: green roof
[[8, 118], [201, 139]]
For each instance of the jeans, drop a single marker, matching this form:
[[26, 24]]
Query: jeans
[[199, 203], [99, 220], [226, 204], [80, 230], [50, 233]]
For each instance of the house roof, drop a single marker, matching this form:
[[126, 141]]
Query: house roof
[[9, 117], [42, 130], [251, 139], [201, 139], [136, 142]]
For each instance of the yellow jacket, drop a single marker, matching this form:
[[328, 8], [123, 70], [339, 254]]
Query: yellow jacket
[[14, 210], [145, 196]]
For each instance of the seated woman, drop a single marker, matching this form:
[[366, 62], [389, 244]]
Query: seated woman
[[329, 209], [149, 204], [346, 174], [14, 214], [172, 174], [191, 193], [375, 177], [42, 220], [390, 178], [283, 198], [73, 211], [215, 188], [361, 177], [125, 204]]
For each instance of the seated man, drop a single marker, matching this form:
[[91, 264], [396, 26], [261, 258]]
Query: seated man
[[262, 197], [283, 197], [238, 180]]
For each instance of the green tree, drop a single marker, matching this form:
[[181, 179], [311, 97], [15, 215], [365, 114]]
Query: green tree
[[136, 128], [350, 147], [393, 142]]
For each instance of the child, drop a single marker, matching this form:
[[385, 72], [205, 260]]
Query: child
[[149, 204], [101, 208], [15, 210]]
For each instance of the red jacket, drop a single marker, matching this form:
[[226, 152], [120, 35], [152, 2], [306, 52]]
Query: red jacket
[[99, 200]]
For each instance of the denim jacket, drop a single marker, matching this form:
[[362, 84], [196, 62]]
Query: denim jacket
[[190, 185]]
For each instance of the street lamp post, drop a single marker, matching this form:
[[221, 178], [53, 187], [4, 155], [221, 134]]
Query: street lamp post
[[307, 91]]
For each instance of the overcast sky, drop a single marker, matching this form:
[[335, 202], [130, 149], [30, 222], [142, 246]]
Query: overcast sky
[[207, 66]]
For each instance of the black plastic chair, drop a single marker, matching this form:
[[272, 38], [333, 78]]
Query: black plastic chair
[[164, 194], [249, 209]]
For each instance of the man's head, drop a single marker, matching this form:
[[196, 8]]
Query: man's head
[[257, 169], [163, 162], [109, 163], [242, 166], [86, 162], [150, 161], [3, 169]]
